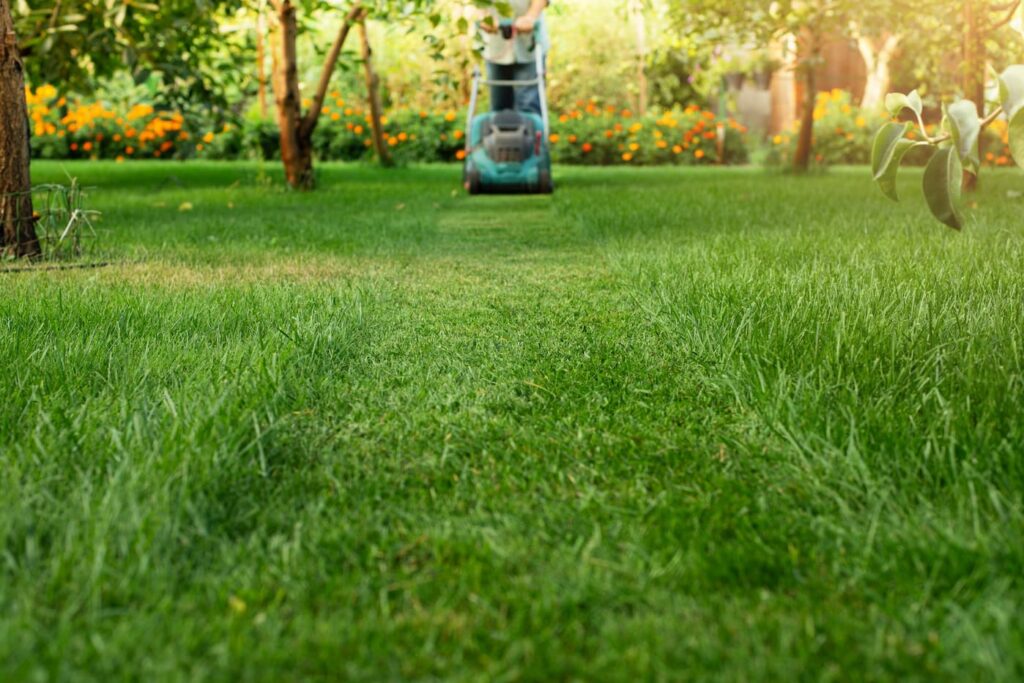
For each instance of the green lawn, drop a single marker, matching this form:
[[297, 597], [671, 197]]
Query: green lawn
[[666, 425]]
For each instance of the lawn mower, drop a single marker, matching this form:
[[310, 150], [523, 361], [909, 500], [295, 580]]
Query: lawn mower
[[507, 151]]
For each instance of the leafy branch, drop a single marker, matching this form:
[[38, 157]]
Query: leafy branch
[[954, 150]]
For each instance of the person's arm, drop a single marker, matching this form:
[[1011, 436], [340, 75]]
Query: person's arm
[[527, 22]]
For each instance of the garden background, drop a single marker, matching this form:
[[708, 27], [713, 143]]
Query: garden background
[[283, 401], [631, 83]]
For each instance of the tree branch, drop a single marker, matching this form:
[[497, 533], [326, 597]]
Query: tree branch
[[1010, 14], [355, 16], [985, 123]]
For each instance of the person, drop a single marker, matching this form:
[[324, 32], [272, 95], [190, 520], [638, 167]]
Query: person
[[513, 59]]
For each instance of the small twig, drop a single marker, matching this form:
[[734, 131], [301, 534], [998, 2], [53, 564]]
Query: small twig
[[985, 123]]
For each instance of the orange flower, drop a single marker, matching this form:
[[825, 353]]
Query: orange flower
[[587, 147], [459, 134], [358, 130], [627, 157], [129, 150], [699, 153], [554, 138], [677, 150], [87, 147], [460, 155], [608, 134], [573, 139]]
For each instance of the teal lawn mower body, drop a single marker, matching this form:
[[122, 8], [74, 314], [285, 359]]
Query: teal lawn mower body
[[507, 151]]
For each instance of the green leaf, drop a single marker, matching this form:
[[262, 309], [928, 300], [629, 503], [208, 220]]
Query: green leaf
[[1011, 94], [942, 181], [886, 154], [965, 127], [896, 102], [1017, 137], [1011, 90]]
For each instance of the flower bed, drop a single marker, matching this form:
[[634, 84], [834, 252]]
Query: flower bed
[[843, 132], [587, 134]]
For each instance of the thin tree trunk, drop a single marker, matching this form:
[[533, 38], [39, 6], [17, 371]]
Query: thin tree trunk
[[296, 128], [355, 15], [805, 141], [373, 95], [296, 150], [877, 65], [17, 218]]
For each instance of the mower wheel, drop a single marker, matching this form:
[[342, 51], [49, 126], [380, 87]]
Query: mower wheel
[[472, 179], [544, 184]]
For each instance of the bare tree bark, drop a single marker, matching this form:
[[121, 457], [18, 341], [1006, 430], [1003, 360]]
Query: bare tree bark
[[297, 129], [805, 139], [17, 218], [808, 67], [877, 60], [373, 95], [296, 152], [355, 15]]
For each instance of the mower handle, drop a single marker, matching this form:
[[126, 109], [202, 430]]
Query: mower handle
[[506, 28]]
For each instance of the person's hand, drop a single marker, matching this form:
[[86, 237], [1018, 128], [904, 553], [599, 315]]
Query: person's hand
[[525, 24]]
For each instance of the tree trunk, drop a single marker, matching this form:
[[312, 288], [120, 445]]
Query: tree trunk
[[975, 64], [296, 148], [877, 65], [17, 218], [373, 95], [805, 141], [296, 129]]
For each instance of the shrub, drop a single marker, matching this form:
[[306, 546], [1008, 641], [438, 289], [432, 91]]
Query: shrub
[[587, 134], [594, 135], [842, 132]]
